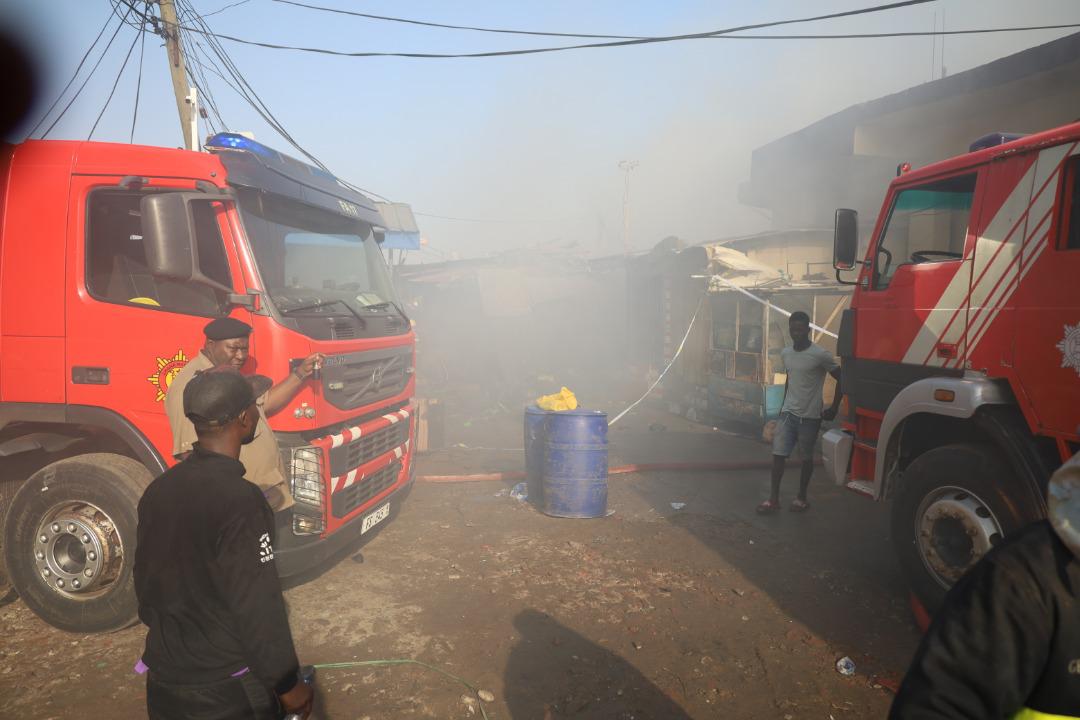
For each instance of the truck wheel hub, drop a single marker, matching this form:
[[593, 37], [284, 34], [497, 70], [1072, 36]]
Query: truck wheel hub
[[954, 528], [77, 550]]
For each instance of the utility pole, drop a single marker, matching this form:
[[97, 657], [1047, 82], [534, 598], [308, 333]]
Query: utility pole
[[627, 166], [178, 70]]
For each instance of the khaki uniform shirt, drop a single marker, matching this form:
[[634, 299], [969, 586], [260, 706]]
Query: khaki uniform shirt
[[261, 458]]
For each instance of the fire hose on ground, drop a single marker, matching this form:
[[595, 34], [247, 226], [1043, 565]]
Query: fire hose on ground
[[512, 475]]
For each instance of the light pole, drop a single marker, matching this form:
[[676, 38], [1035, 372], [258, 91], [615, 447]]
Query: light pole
[[627, 167]]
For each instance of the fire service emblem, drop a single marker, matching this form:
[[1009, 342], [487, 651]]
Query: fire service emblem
[[1070, 348], [167, 368]]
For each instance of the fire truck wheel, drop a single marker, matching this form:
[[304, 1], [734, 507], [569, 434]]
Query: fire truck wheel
[[954, 504], [69, 541]]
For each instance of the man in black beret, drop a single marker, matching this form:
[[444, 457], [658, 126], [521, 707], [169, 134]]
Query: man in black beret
[[219, 644], [227, 346]]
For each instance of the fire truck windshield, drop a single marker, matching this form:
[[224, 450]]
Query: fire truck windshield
[[315, 262]]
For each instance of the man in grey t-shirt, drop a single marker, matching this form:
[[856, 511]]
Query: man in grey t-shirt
[[800, 417]]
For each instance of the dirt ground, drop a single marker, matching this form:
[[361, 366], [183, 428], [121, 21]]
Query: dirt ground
[[653, 612]]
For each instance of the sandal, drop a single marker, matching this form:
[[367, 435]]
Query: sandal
[[768, 507], [799, 506]]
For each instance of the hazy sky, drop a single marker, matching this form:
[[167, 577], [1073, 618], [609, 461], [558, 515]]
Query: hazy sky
[[533, 142]]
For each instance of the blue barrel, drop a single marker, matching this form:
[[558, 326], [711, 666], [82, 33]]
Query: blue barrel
[[575, 464], [534, 452]]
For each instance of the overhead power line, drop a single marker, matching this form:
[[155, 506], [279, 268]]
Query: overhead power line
[[247, 92], [227, 7], [913, 33], [138, 82], [444, 26], [90, 75], [614, 43], [719, 35], [74, 75], [499, 221], [116, 82]]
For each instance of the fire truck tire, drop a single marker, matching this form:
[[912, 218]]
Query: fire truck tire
[[69, 541], [955, 503]]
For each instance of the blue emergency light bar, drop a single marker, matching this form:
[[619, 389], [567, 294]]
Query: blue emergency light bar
[[233, 141], [993, 140], [254, 165]]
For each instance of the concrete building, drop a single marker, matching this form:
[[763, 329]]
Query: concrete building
[[848, 159]]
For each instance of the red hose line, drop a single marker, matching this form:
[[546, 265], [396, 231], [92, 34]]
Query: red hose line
[[620, 470]]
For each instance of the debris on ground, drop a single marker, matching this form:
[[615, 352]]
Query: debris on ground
[[845, 666]]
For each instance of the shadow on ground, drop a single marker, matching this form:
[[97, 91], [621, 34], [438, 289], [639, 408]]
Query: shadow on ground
[[840, 549], [552, 661]]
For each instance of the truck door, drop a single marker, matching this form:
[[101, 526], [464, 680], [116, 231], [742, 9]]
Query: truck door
[[128, 332], [1047, 303], [911, 317]]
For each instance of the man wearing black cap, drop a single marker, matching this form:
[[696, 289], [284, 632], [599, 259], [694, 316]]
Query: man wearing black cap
[[227, 345], [219, 644]]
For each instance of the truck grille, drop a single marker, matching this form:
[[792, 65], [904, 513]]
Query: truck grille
[[345, 501], [366, 448], [356, 379]]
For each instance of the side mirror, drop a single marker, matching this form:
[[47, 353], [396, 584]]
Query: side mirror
[[168, 231], [845, 239]]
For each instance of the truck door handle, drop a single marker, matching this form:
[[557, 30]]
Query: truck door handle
[[946, 350], [89, 375]]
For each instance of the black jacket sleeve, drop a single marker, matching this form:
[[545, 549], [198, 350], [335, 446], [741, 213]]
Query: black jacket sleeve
[[986, 649], [247, 578]]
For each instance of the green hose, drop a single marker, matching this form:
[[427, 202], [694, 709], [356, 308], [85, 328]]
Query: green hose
[[405, 661]]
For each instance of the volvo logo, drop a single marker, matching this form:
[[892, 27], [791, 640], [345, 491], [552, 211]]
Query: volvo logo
[[377, 376]]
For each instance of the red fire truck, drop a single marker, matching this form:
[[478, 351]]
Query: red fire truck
[[961, 350], [112, 259]]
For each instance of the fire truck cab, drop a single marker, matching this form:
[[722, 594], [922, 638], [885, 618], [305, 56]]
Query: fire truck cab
[[112, 260], [961, 350]]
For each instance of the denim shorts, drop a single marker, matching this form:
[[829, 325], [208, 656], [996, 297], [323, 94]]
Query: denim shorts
[[793, 431]]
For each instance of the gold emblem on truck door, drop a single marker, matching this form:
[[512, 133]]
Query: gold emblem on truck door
[[167, 368]]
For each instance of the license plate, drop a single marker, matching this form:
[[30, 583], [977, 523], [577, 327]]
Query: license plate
[[375, 518]]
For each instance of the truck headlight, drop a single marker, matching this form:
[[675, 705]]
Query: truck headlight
[[305, 477]]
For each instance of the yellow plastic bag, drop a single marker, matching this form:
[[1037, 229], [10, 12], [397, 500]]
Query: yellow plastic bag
[[562, 400]]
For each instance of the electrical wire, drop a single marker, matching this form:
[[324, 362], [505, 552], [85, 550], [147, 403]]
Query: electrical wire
[[227, 7], [458, 27], [244, 88], [138, 82], [73, 76], [718, 36], [616, 43], [116, 82], [85, 81], [524, 221], [246, 91], [198, 80], [123, 18], [912, 33], [197, 75]]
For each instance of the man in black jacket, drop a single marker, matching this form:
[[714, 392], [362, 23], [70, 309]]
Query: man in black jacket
[[1006, 642], [219, 645]]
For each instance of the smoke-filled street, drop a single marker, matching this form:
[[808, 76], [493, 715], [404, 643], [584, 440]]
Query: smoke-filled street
[[705, 611], [537, 361]]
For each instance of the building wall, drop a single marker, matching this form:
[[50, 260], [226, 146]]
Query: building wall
[[848, 159]]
